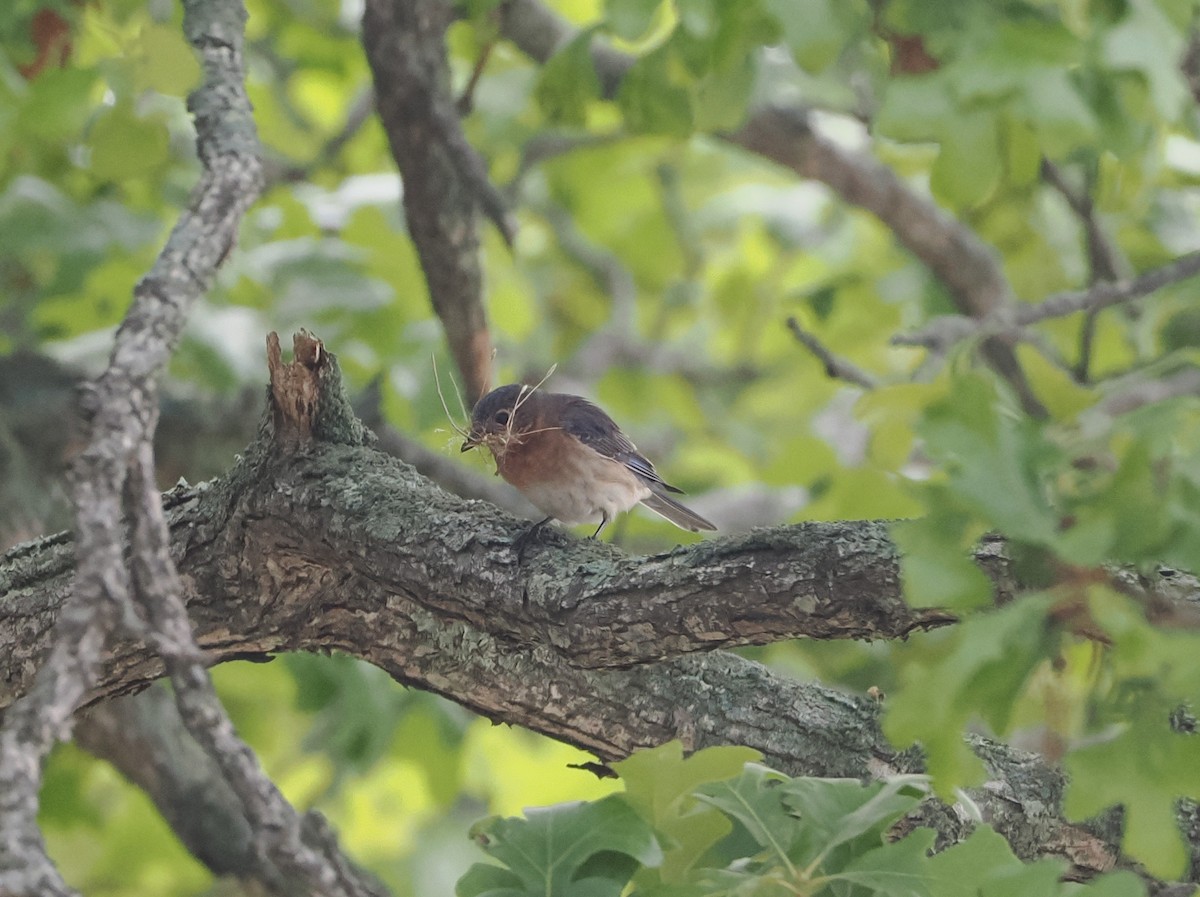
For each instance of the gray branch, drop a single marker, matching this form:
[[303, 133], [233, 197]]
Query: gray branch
[[121, 407], [445, 181], [835, 367], [320, 543], [949, 329]]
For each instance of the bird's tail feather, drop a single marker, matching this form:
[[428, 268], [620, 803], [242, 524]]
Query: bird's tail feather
[[679, 515]]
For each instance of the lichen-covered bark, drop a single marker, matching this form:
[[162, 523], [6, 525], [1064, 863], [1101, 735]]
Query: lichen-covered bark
[[121, 406], [333, 546], [372, 544]]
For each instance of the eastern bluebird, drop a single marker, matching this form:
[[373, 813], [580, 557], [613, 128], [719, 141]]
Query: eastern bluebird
[[570, 459]]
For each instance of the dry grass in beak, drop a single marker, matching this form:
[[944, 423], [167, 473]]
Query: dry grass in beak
[[471, 442]]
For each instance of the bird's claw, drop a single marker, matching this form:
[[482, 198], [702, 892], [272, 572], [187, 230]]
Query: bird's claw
[[530, 535]]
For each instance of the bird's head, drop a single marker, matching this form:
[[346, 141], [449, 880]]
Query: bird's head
[[502, 417]]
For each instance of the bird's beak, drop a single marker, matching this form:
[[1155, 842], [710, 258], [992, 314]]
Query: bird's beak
[[470, 442]]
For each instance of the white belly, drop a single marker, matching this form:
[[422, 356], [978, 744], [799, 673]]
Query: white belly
[[593, 492]]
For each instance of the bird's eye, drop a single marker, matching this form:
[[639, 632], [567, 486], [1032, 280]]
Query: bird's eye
[[502, 417]]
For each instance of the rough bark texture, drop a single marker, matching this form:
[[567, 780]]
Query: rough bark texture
[[122, 407], [324, 544], [361, 535], [144, 739], [445, 182], [316, 542]]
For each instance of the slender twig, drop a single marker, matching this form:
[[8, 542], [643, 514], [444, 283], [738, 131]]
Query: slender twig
[[358, 114], [950, 329], [943, 332], [466, 100], [1105, 261], [835, 367], [1148, 392], [1105, 295], [1104, 258]]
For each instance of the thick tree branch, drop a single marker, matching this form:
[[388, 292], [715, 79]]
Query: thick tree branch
[[444, 179], [326, 545], [143, 737], [416, 556], [274, 559]]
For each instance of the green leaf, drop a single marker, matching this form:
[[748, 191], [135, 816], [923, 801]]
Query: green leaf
[[654, 98], [356, 717], [722, 98], [720, 38], [630, 19], [656, 779], [1023, 880], [936, 563], [568, 82], [969, 166], [897, 869], [549, 849], [816, 31], [1147, 42], [479, 10], [125, 146], [659, 785], [698, 17], [753, 799], [1131, 509], [1062, 395], [840, 812], [58, 104], [1146, 768], [164, 61], [979, 672], [1017, 55], [1022, 154], [964, 867], [916, 108], [426, 738], [1055, 108], [1143, 652], [485, 880], [1116, 884], [994, 460]]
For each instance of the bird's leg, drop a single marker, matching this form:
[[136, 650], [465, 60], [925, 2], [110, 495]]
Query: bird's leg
[[529, 535], [603, 523]]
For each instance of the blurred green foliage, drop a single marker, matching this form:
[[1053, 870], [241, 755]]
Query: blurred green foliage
[[716, 824], [714, 248]]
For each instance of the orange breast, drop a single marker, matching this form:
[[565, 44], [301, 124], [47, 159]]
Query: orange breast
[[569, 481], [537, 458]]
